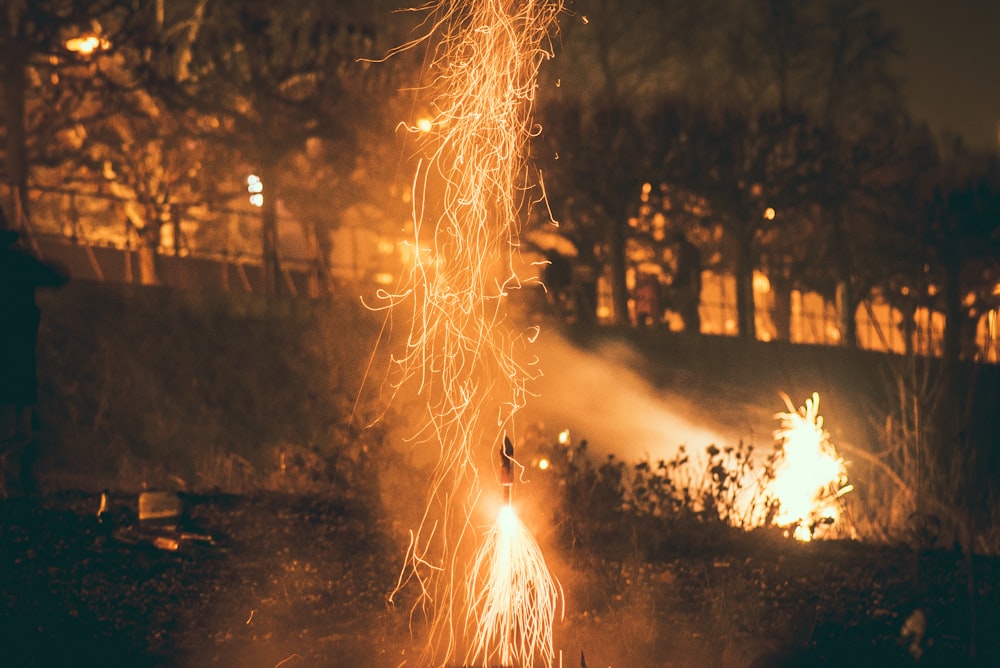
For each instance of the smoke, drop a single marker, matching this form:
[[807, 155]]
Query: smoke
[[600, 396]]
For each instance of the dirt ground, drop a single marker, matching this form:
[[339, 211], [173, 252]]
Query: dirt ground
[[273, 580]]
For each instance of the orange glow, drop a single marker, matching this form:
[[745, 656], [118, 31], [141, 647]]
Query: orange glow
[[462, 352], [86, 44], [809, 476], [512, 596]]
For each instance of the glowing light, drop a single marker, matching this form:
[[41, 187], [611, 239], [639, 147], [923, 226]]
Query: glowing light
[[86, 44], [256, 189], [513, 598], [543, 464], [769, 213], [809, 476], [424, 125], [469, 194]]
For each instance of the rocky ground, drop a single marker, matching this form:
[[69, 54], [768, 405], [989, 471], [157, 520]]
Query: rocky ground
[[276, 580]]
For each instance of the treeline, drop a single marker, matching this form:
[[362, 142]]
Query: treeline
[[772, 133], [775, 136]]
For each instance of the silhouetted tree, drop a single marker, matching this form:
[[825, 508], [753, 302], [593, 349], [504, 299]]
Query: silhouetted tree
[[614, 59], [594, 168], [795, 86], [963, 231]]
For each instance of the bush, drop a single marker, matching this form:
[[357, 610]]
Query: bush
[[153, 387]]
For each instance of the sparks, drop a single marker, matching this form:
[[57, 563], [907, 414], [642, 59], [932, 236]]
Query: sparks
[[470, 191], [809, 476], [513, 598]]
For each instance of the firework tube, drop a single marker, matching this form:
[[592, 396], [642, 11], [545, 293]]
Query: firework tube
[[506, 468]]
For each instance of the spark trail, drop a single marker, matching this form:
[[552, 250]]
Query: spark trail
[[463, 354]]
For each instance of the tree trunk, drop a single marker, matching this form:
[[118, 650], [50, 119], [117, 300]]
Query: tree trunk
[[619, 287], [847, 304], [147, 264], [781, 288], [745, 313], [149, 242], [14, 86], [953, 312], [847, 307]]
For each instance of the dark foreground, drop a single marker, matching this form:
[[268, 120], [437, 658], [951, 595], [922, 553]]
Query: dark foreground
[[271, 580]]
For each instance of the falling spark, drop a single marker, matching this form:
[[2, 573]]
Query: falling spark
[[470, 189], [809, 476]]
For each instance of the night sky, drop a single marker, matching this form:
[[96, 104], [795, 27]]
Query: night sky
[[951, 64]]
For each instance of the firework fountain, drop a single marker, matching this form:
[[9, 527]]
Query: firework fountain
[[464, 355]]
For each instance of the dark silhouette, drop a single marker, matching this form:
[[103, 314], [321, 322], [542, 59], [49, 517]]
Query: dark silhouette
[[558, 279], [20, 273], [685, 288]]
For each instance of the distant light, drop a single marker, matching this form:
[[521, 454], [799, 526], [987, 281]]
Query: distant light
[[543, 464], [256, 189], [769, 213], [564, 437], [383, 278], [86, 44], [424, 124]]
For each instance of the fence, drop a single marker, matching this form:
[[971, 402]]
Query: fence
[[813, 320], [242, 274]]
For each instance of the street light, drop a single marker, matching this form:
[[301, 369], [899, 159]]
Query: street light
[[256, 189]]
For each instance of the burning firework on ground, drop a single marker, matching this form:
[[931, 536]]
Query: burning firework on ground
[[469, 195], [512, 596], [807, 477]]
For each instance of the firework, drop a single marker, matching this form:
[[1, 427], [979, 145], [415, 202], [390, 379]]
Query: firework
[[470, 191], [809, 476], [513, 598]]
